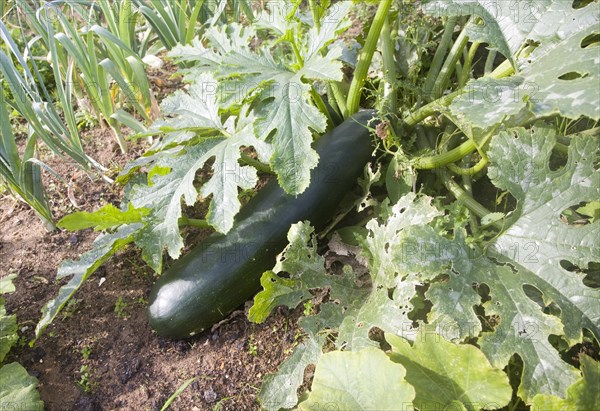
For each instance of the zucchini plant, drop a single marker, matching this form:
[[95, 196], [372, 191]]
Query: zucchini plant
[[476, 272], [19, 389]]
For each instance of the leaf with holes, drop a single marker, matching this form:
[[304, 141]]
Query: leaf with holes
[[560, 76], [506, 26], [583, 394], [526, 257], [175, 179], [279, 390]]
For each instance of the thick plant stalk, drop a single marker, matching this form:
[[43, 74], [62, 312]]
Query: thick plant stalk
[[322, 107], [422, 113], [449, 65], [449, 157], [389, 70], [315, 14], [466, 71], [438, 58], [489, 62], [194, 222], [366, 55]]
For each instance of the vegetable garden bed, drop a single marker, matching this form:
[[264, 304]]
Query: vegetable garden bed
[[459, 271]]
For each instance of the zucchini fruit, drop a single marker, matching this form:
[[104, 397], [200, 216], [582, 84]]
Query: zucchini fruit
[[224, 271]]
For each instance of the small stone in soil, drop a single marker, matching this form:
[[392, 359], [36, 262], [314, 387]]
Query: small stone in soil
[[129, 369], [209, 396], [73, 239], [38, 354]]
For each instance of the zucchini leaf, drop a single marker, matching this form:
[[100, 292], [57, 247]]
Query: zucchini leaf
[[174, 176], [278, 88], [505, 26], [18, 390], [527, 255], [583, 394], [560, 76], [279, 390], [8, 323], [446, 374], [104, 218], [363, 380], [406, 251]]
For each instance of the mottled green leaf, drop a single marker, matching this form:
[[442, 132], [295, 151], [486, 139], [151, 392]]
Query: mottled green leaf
[[165, 190], [291, 117], [560, 76], [363, 380], [529, 253], [8, 331], [6, 284], [276, 291], [285, 111], [506, 25], [382, 242], [539, 240], [18, 390], [443, 373], [279, 390], [333, 22], [583, 394], [305, 266]]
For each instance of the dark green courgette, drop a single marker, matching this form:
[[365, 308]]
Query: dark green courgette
[[224, 271]]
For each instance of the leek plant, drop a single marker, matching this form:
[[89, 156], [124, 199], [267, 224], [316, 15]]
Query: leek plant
[[110, 74], [19, 173], [175, 21]]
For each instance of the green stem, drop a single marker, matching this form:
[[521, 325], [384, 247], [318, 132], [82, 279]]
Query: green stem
[[438, 58], [463, 197], [422, 113], [443, 159], [332, 100], [449, 65], [322, 107], [366, 55], [292, 12], [338, 94], [315, 14], [297, 52], [466, 71], [471, 171], [468, 186], [193, 222], [489, 62], [505, 69], [561, 148], [389, 69], [259, 165]]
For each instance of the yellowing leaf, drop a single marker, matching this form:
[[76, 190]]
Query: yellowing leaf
[[443, 373], [363, 380]]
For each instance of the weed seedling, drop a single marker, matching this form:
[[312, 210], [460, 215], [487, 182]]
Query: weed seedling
[[120, 307]]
